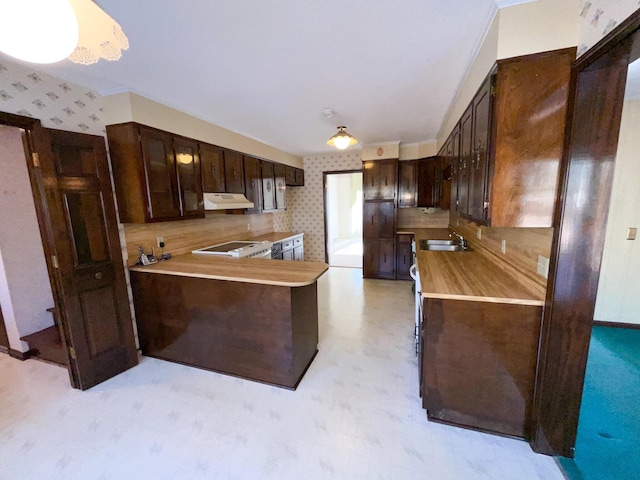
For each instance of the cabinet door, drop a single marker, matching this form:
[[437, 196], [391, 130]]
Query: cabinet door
[[281, 186], [387, 259], [371, 251], [380, 179], [427, 186], [253, 182], [407, 184], [268, 186], [404, 257], [298, 254], [299, 177], [288, 255], [444, 199], [455, 167], [466, 137], [478, 172], [160, 168], [212, 163], [233, 172], [378, 220], [189, 177], [290, 176]]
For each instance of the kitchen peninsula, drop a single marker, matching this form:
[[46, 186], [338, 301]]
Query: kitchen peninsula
[[252, 318]]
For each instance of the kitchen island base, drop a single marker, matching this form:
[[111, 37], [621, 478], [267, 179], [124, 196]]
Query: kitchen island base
[[266, 333]]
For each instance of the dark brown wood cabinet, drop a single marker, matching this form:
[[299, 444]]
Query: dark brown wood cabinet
[[268, 186], [189, 177], [404, 256], [428, 191], [510, 143], [407, 184], [281, 186], [234, 172], [294, 177], [150, 185], [479, 163], [480, 364], [380, 186], [380, 179], [212, 163], [253, 182], [378, 220], [379, 259], [4, 339], [466, 145]]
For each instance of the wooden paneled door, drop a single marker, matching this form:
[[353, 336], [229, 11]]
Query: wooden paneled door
[[464, 164], [86, 263]]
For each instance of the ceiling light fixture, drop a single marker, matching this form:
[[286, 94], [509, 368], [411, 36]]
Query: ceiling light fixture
[[47, 31], [342, 139], [38, 31]]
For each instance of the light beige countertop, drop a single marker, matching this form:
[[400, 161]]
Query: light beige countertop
[[248, 270], [468, 276]]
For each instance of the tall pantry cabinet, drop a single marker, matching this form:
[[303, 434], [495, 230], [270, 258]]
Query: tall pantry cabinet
[[380, 188]]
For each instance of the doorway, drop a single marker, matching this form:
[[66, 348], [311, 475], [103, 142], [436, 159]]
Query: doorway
[[343, 218]]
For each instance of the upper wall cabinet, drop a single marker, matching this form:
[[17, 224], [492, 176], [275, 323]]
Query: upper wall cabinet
[[234, 171], [407, 184], [268, 186], [379, 179], [281, 186], [212, 161], [294, 177], [150, 186], [253, 182], [511, 137], [428, 187]]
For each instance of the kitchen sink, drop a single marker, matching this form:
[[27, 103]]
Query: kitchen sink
[[442, 246]]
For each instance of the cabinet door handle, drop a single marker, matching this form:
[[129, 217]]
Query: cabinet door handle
[[235, 173], [385, 258], [99, 275], [371, 219]]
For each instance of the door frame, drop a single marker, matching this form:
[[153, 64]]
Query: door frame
[[324, 204], [34, 140], [572, 286]]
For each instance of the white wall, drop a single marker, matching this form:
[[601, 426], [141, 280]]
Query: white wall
[[599, 17], [618, 299], [25, 291]]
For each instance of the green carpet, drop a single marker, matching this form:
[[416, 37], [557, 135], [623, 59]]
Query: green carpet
[[608, 441]]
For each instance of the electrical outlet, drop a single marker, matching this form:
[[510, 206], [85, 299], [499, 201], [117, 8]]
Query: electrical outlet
[[543, 266], [631, 233], [504, 247], [159, 241], [479, 234], [248, 226]]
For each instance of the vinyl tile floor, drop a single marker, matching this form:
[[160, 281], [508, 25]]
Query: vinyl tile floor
[[356, 414]]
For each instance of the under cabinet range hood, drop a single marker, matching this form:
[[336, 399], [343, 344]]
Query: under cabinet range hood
[[222, 201]]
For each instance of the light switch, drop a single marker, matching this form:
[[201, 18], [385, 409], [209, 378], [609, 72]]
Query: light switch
[[631, 233]]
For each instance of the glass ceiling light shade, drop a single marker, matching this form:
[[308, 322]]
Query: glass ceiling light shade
[[38, 31], [100, 35], [342, 139]]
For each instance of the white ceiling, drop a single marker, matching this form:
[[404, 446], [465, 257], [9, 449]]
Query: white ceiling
[[267, 69]]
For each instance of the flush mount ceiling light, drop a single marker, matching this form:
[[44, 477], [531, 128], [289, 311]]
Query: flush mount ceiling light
[[47, 31], [342, 139]]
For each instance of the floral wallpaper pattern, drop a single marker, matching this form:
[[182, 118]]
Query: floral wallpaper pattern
[[58, 104], [307, 203], [599, 17]]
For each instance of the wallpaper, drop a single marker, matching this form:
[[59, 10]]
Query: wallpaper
[[599, 17], [307, 203], [58, 104]]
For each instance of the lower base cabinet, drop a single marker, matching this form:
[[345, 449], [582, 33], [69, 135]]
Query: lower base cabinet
[[379, 259], [404, 256], [290, 249], [480, 364]]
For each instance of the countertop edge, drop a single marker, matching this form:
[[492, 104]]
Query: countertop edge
[[475, 298]]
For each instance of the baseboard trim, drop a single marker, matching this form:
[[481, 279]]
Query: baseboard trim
[[600, 323], [19, 355]]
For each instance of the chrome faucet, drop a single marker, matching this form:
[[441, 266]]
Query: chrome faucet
[[461, 239]]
